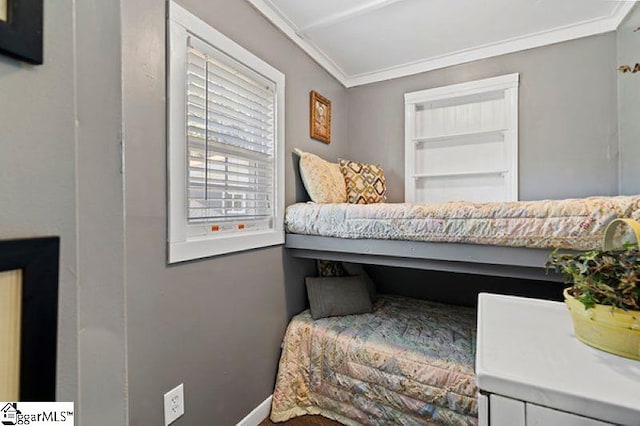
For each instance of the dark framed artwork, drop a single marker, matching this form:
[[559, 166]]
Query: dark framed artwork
[[21, 29], [320, 117], [38, 261]]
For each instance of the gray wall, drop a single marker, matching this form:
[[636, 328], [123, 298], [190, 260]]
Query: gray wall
[[60, 175], [629, 104], [37, 165], [456, 289], [216, 324], [102, 377], [568, 144]]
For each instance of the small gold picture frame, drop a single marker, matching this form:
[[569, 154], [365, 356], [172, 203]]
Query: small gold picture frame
[[320, 117]]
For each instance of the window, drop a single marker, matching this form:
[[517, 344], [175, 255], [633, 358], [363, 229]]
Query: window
[[226, 141]]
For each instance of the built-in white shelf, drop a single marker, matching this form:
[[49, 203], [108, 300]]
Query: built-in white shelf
[[462, 174], [467, 130], [479, 135]]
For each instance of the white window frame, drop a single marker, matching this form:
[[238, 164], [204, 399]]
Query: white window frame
[[181, 25]]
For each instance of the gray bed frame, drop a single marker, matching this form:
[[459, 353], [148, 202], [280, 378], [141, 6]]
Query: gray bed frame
[[515, 262], [498, 261]]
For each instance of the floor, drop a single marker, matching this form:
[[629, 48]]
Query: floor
[[303, 421]]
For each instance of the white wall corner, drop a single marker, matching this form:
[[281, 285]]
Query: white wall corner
[[621, 12]]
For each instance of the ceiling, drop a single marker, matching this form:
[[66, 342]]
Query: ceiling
[[363, 41]]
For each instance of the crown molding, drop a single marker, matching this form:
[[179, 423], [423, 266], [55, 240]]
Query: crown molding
[[516, 44], [273, 14]]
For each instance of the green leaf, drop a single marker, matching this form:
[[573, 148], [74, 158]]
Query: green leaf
[[601, 277]]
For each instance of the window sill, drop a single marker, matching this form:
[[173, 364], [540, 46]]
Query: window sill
[[200, 248]]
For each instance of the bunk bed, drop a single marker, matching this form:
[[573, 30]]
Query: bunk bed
[[511, 239], [408, 362]]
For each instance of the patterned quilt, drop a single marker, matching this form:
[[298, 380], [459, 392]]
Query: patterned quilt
[[410, 362], [571, 224]]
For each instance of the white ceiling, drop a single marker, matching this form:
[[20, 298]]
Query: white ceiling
[[363, 41]]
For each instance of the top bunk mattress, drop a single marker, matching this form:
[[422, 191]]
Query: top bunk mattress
[[576, 224]]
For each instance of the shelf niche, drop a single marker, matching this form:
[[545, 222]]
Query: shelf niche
[[461, 142]]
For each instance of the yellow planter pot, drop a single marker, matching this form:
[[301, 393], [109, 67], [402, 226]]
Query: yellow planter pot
[[607, 328]]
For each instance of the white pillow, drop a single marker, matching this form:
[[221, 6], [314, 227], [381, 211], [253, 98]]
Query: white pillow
[[323, 180]]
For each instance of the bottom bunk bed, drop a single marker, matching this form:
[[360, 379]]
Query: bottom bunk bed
[[409, 362]]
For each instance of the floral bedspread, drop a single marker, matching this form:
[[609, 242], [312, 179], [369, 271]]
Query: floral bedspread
[[410, 362], [571, 224]]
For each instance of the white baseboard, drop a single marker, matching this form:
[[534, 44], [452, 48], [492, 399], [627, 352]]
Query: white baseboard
[[258, 414]]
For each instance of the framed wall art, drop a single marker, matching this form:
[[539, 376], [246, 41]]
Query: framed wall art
[[320, 118], [21, 29], [29, 309]]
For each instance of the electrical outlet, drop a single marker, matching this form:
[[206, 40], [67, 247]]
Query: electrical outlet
[[173, 404]]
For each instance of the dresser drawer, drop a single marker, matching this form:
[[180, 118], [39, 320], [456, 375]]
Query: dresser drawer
[[543, 416], [497, 410], [506, 411]]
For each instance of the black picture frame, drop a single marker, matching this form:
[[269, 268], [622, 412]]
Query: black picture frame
[[21, 33], [38, 258]]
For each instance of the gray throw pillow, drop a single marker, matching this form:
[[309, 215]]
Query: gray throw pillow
[[335, 296], [353, 269]]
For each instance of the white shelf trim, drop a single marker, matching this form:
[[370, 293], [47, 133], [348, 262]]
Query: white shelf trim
[[447, 113], [461, 135], [455, 174], [485, 85]]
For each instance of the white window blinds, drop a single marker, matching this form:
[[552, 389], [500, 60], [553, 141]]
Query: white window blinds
[[230, 141], [225, 143]]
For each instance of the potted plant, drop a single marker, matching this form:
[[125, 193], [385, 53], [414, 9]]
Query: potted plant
[[604, 293]]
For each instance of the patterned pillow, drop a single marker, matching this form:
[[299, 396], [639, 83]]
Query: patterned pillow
[[330, 268], [322, 180], [334, 268], [365, 182]]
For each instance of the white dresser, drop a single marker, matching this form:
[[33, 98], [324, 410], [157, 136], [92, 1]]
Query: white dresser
[[533, 371]]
